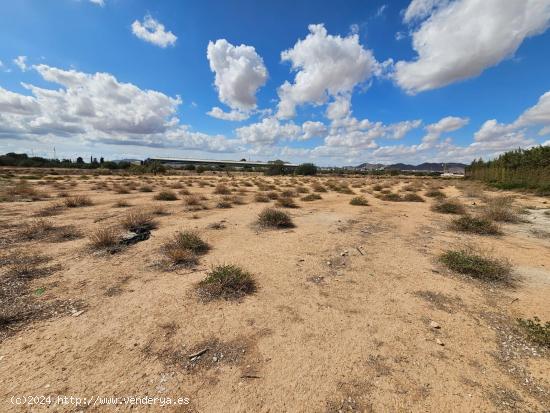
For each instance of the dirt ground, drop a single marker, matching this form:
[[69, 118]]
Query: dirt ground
[[343, 318]]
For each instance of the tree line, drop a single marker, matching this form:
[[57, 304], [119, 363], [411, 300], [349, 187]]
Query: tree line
[[520, 168]]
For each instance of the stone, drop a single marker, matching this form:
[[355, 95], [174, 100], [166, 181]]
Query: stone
[[433, 324]]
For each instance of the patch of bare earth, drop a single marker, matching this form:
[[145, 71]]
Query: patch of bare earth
[[353, 311]]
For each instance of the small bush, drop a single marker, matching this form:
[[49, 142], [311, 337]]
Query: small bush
[[475, 225], [52, 209], [477, 265], [224, 203], [122, 204], [37, 229], [536, 331], [136, 221], [449, 207], [274, 218], [412, 197], [317, 187], [501, 209], [391, 196], [166, 196], [146, 188], [259, 197], [435, 193], [286, 202], [78, 201], [190, 240], [272, 195], [311, 197], [104, 238], [228, 282], [359, 201], [222, 190]]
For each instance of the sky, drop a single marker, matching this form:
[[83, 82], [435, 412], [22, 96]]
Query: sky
[[333, 83]]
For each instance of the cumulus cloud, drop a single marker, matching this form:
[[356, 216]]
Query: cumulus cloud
[[271, 131], [420, 9], [325, 65], [233, 115], [462, 38], [21, 62], [99, 108], [152, 31], [239, 73], [98, 2]]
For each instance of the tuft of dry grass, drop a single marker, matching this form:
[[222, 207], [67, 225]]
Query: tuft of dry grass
[[166, 196], [136, 221], [412, 197], [477, 264], [501, 209], [222, 189], [435, 193], [104, 238], [359, 201], [274, 218], [78, 201], [311, 197], [286, 202], [184, 248], [260, 197], [228, 282], [475, 225], [451, 206]]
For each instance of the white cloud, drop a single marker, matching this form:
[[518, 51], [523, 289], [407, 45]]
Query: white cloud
[[271, 131], [462, 38], [420, 9], [325, 65], [239, 73], [538, 114], [98, 108], [98, 2], [21, 62], [152, 31], [233, 115]]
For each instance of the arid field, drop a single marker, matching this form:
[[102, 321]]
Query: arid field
[[347, 294]]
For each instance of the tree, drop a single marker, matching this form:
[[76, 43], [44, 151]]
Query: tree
[[306, 169], [79, 160], [276, 168]]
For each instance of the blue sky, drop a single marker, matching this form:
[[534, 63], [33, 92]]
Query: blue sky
[[333, 83]]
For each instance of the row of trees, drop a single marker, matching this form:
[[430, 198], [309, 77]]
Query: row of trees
[[520, 168], [22, 159]]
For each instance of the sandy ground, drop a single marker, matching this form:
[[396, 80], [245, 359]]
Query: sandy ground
[[340, 321]]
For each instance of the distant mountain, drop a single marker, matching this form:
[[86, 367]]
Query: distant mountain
[[426, 167], [429, 166], [370, 166]]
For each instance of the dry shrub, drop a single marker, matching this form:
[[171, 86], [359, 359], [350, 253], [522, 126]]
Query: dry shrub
[[274, 218], [37, 229], [146, 188], [451, 206], [412, 197], [501, 209], [435, 193], [184, 248], [139, 221], [104, 238], [259, 197], [166, 196], [359, 201], [286, 202], [477, 264], [78, 201], [475, 225], [228, 282], [53, 209], [311, 197], [222, 189], [121, 203]]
